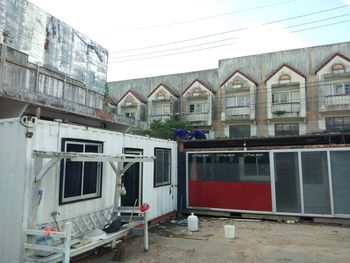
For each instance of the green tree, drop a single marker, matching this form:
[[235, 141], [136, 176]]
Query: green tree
[[164, 130]]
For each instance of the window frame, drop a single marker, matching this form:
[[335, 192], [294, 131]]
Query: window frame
[[163, 183], [331, 89], [332, 122], [243, 127], [284, 131], [82, 197], [197, 107], [237, 101]]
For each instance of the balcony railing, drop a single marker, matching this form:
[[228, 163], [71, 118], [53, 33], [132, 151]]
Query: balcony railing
[[197, 117], [159, 117], [40, 80], [288, 107], [237, 111], [335, 100]]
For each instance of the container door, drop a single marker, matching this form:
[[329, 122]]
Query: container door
[[341, 181], [132, 181], [287, 184], [315, 183]]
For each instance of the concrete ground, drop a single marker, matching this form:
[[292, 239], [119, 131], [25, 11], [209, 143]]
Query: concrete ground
[[256, 241]]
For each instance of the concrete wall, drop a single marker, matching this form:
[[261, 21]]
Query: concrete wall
[[53, 44]]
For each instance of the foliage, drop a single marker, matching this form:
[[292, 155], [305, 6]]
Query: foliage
[[164, 129]]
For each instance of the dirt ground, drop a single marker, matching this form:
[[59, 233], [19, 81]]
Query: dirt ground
[[255, 241]]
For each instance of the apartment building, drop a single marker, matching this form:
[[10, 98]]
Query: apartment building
[[284, 93]]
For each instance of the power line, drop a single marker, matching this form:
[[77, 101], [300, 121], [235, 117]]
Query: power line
[[229, 31], [207, 17], [218, 46], [226, 39]]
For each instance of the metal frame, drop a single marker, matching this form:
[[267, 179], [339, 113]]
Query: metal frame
[[272, 178], [55, 157]]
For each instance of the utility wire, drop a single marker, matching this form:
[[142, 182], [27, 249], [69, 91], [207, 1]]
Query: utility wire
[[229, 31], [218, 46], [222, 40], [207, 17]]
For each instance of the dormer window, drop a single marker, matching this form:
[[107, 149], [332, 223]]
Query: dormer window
[[338, 68], [128, 102], [160, 95], [196, 92], [237, 83], [284, 78]]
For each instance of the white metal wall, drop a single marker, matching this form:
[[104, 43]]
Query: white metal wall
[[48, 136], [162, 199], [12, 178]]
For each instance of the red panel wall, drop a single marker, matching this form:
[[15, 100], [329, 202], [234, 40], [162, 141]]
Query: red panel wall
[[230, 195]]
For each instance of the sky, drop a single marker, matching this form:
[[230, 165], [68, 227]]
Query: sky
[[160, 37]]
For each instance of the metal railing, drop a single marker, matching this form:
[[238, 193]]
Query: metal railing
[[197, 116], [287, 107], [239, 110], [334, 100]]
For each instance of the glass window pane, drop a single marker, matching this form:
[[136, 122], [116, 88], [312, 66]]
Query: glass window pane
[[287, 184], [73, 172], [90, 177], [341, 181], [315, 183], [230, 102], [295, 96], [327, 89]]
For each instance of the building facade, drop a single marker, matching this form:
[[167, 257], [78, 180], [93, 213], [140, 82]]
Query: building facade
[[291, 92]]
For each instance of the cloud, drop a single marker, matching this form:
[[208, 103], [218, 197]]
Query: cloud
[[347, 2]]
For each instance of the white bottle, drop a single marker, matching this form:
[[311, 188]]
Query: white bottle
[[192, 222]]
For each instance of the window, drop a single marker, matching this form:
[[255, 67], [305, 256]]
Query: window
[[163, 109], [281, 97], [237, 83], [130, 115], [238, 101], [229, 166], [162, 167], [160, 95], [128, 102], [239, 131], [338, 68], [338, 124], [284, 78], [196, 92], [285, 97], [337, 89], [80, 180], [286, 129], [198, 107]]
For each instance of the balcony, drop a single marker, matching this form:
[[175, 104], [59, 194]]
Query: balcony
[[337, 102], [158, 117], [240, 112], [198, 117], [287, 109]]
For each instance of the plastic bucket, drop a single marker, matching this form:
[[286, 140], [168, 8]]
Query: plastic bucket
[[229, 231]]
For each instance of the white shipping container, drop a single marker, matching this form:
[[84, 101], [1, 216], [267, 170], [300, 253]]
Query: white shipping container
[[29, 204]]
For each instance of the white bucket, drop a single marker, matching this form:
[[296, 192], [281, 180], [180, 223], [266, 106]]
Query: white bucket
[[229, 231]]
